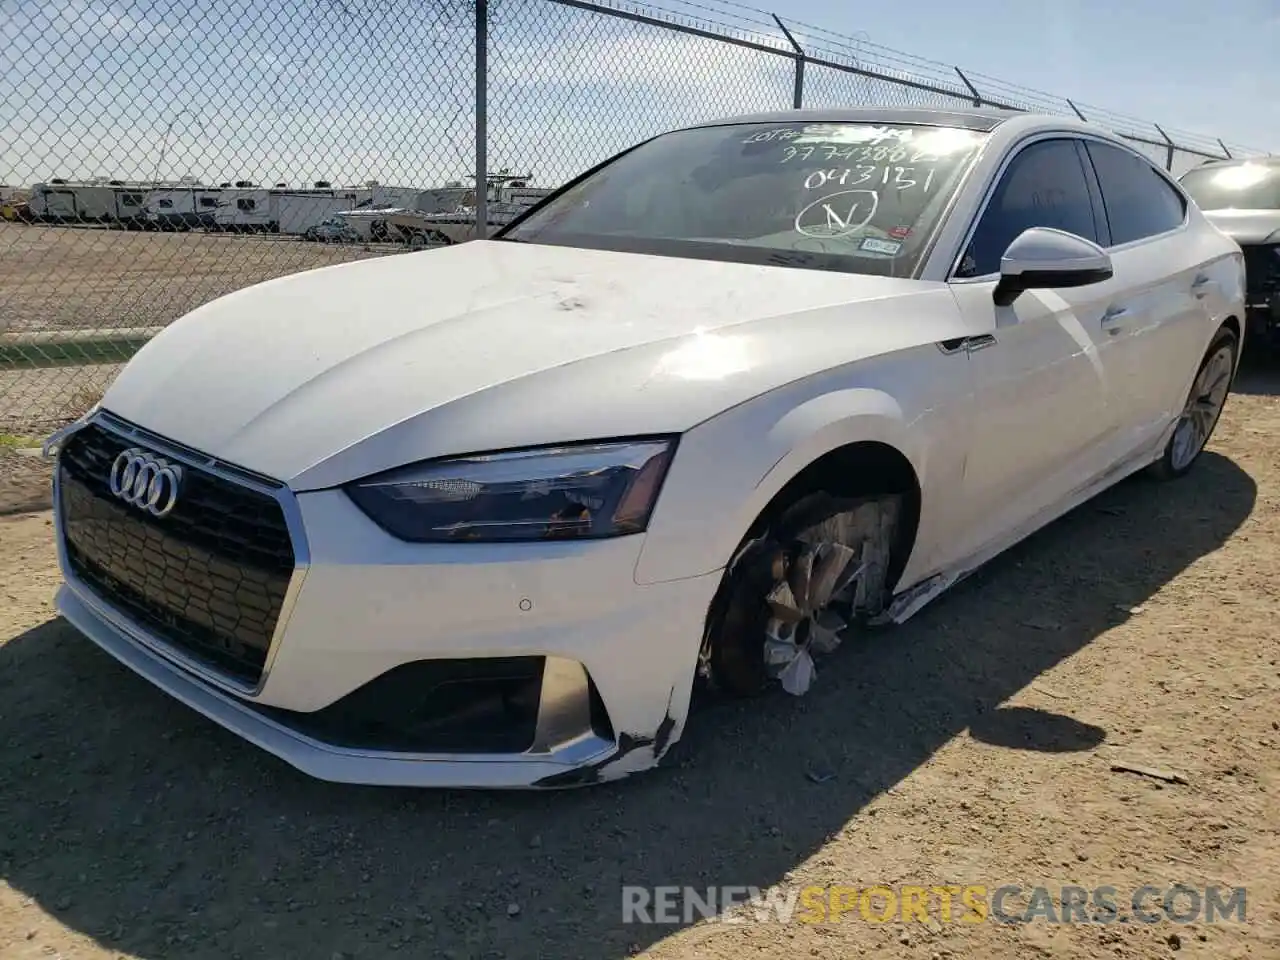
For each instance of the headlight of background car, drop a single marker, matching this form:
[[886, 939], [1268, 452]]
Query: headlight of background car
[[555, 493]]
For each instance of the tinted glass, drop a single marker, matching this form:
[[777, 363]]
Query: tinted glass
[[838, 196], [1138, 201], [1044, 186], [1237, 186]]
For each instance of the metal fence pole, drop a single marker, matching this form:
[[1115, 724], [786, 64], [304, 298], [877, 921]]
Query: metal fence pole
[[797, 96], [977, 97], [482, 119], [1168, 163]]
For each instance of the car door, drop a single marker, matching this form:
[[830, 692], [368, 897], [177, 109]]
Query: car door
[[1158, 342], [1045, 421]]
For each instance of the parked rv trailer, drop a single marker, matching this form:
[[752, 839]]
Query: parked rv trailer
[[182, 208], [246, 210], [115, 202]]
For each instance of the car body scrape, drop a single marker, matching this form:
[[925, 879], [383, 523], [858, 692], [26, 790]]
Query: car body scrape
[[635, 753]]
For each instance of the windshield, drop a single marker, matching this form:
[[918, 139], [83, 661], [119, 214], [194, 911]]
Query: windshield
[[1240, 186], [855, 197]]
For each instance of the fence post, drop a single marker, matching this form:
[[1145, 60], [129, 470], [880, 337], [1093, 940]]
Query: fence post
[[1225, 150], [797, 96], [482, 119], [1076, 111], [973, 91], [1168, 164]]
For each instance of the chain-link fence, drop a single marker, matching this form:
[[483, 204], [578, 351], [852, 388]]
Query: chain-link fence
[[156, 154]]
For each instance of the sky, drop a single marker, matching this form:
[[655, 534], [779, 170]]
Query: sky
[[296, 91], [1206, 67]]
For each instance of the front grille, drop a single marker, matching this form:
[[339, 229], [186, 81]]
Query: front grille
[[209, 578], [1261, 273]]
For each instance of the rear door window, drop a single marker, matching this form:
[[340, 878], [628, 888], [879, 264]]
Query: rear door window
[[1139, 202]]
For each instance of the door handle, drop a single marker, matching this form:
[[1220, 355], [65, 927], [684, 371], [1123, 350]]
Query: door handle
[[1115, 318]]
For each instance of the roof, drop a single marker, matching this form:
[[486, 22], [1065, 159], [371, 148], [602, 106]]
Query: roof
[[978, 119]]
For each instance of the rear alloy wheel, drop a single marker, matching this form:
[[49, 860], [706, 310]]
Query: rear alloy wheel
[[1202, 410]]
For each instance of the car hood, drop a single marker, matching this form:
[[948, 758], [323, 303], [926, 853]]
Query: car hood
[[1247, 226], [320, 377]]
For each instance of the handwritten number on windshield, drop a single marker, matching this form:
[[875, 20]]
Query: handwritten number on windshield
[[889, 176], [876, 155]]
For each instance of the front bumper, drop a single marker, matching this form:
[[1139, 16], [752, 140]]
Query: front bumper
[[615, 660], [1263, 323], [1262, 280]]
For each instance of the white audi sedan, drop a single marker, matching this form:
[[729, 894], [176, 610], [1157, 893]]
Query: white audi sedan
[[485, 516]]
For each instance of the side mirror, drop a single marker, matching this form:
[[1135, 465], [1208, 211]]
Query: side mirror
[[1042, 258]]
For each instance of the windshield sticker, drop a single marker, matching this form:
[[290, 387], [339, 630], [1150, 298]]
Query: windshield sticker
[[900, 233], [854, 133], [887, 247], [837, 215], [850, 133]]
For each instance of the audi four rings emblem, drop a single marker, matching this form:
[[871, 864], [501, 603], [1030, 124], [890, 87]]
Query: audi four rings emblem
[[143, 480]]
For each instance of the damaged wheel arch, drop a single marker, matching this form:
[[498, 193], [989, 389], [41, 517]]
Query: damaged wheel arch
[[826, 552]]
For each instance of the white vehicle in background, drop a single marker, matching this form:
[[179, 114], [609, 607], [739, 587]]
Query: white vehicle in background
[[483, 516], [1242, 199]]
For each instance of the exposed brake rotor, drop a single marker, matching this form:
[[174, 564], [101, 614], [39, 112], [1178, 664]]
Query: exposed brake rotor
[[804, 584]]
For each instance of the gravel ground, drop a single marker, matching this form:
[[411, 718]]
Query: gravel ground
[[973, 745]]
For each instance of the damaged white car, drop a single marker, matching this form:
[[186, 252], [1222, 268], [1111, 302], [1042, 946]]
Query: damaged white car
[[482, 516]]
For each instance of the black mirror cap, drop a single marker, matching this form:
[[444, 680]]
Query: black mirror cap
[[1011, 287]]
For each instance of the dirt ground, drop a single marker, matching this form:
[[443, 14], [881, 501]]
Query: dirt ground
[[93, 278], [64, 278], [972, 746]]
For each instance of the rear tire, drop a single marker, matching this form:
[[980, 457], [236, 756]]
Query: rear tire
[[1202, 410]]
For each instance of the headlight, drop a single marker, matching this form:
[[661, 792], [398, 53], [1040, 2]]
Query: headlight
[[584, 491]]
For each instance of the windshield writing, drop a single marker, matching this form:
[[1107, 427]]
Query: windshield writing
[[849, 196]]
